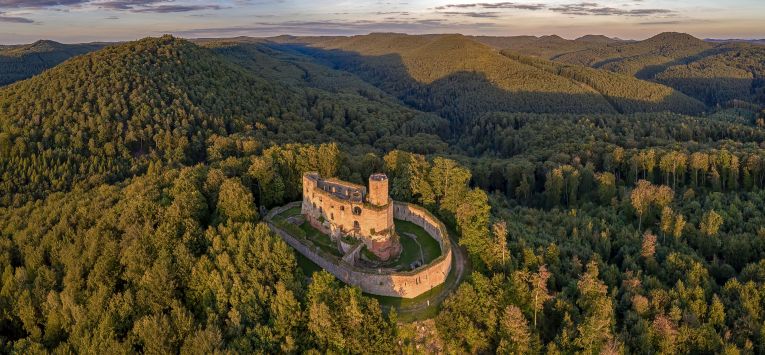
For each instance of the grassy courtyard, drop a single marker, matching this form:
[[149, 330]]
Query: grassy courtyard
[[294, 211], [423, 248], [320, 239]]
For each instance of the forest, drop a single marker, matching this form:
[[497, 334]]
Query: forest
[[602, 210]]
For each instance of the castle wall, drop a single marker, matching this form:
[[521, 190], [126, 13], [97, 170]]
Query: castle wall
[[408, 284], [334, 215]]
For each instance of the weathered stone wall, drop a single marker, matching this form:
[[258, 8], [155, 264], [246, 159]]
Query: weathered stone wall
[[335, 214], [407, 284], [339, 212]]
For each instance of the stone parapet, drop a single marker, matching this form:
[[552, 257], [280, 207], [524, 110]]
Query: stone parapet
[[405, 284]]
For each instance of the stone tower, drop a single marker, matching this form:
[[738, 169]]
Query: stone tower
[[378, 189]]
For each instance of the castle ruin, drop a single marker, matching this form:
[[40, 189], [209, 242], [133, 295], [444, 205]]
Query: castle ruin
[[339, 208]]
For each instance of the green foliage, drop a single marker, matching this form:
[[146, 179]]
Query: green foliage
[[235, 202], [133, 178], [24, 61], [341, 319]]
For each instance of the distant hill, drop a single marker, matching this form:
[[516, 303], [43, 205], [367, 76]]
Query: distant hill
[[760, 42], [598, 39], [547, 47], [459, 78], [23, 61], [454, 75], [631, 58], [110, 113], [625, 93], [712, 71], [104, 113], [731, 72]]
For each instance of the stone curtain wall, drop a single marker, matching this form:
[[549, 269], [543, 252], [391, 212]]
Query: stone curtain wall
[[408, 284]]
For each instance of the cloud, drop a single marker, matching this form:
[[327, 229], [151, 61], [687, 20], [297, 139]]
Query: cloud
[[485, 14], [163, 9], [152, 6], [591, 8], [39, 3], [139, 6], [336, 27], [652, 23], [496, 5], [578, 9], [14, 19]]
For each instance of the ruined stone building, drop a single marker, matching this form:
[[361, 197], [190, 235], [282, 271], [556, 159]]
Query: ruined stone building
[[339, 208]]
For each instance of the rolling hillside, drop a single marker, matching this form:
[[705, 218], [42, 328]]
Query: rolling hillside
[[23, 61], [108, 114], [459, 78], [733, 72], [547, 47], [453, 75], [633, 58], [625, 93]]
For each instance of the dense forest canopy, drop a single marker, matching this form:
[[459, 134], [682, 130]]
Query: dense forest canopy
[[605, 207], [23, 61]]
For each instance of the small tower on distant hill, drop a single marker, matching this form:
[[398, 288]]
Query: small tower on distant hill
[[378, 189]]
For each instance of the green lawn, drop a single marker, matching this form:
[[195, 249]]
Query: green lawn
[[294, 211], [425, 313], [320, 239], [411, 251], [305, 264]]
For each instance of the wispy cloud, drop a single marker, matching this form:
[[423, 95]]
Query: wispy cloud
[[138, 6], [578, 9], [335, 27], [485, 14], [154, 6], [39, 3], [14, 19], [163, 9], [591, 8], [659, 23], [496, 5]]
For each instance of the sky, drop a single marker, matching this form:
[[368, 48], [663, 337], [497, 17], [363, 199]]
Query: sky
[[73, 21]]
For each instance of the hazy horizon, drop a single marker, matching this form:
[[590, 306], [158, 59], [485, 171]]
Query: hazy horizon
[[76, 21]]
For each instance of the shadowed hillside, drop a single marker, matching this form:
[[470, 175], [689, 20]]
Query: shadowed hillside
[[108, 114], [547, 46], [632, 57], [23, 61], [731, 72], [459, 78], [626, 93]]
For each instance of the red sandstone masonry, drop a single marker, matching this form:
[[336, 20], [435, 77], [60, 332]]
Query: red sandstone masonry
[[408, 284]]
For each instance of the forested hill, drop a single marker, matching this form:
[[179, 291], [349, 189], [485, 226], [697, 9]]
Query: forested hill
[[133, 181], [23, 61], [714, 72], [107, 115], [547, 46], [459, 78], [629, 58]]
